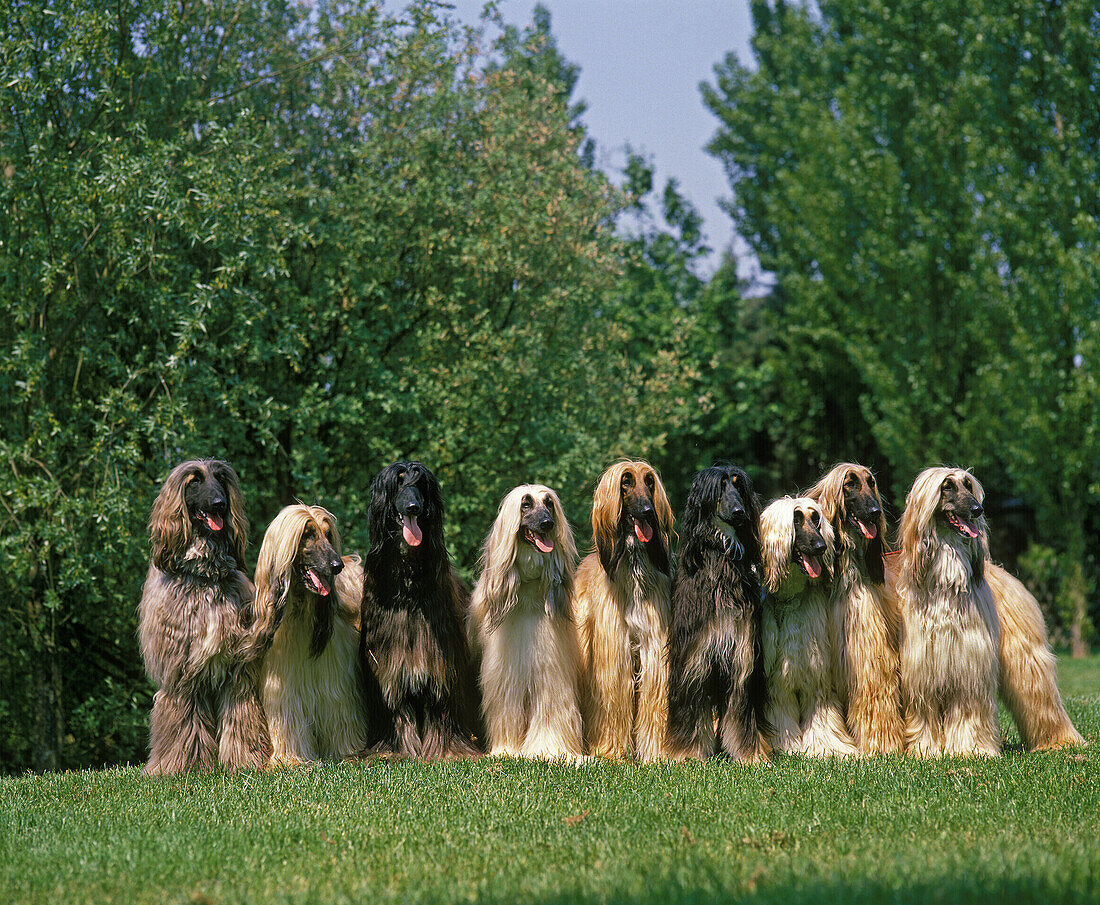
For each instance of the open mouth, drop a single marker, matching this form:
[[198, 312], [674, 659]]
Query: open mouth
[[410, 531], [212, 520], [643, 530], [315, 583], [811, 565], [868, 530], [538, 541], [964, 526]]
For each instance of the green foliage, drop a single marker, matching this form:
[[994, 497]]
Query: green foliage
[[802, 830], [308, 241]]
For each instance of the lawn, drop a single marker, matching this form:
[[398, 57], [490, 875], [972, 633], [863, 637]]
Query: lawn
[[1022, 828]]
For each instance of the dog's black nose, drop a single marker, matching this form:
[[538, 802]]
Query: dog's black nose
[[874, 512], [337, 565], [412, 509], [738, 515], [546, 523], [217, 504], [976, 511], [818, 547]]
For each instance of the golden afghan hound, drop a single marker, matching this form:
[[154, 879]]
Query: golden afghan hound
[[201, 637], [865, 617], [522, 626], [312, 687], [803, 713], [621, 602], [951, 633]]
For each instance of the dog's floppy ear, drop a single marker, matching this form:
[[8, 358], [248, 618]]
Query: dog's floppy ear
[[753, 550], [380, 519], [607, 506], [238, 522], [777, 541], [828, 493], [170, 530]]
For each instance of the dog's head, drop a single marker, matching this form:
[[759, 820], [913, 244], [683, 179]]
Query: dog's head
[[406, 507], [530, 540], [630, 511], [795, 531], [300, 559], [849, 498], [201, 499], [723, 505], [944, 503]]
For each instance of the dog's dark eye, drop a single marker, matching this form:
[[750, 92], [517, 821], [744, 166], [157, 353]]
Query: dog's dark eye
[[628, 480], [968, 485], [649, 481], [525, 504], [947, 484], [546, 500], [815, 517], [309, 533], [799, 518], [870, 480], [852, 481]]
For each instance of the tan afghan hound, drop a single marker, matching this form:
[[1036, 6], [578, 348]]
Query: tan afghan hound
[[312, 687], [865, 617], [803, 712], [951, 633], [522, 625], [622, 605], [201, 637]]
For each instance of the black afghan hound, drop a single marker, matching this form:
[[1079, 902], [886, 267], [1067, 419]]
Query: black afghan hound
[[716, 666], [420, 693]]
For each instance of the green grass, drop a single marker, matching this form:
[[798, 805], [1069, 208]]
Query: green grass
[[1022, 828]]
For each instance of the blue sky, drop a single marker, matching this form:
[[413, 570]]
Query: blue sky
[[641, 64]]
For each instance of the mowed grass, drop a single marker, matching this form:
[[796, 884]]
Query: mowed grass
[[1022, 828]]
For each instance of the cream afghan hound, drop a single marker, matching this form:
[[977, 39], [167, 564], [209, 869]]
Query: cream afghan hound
[[522, 626], [803, 713], [311, 683], [621, 602], [865, 618], [951, 633]]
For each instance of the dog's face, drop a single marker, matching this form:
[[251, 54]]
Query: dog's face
[[630, 512], [960, 504], [207, 503], [406, 504], [862, 505], [317, 563], [735, 511], [722, 500], [809, 548], [537, 521]]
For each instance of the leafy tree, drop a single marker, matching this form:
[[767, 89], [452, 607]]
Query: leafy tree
[[916, 176]]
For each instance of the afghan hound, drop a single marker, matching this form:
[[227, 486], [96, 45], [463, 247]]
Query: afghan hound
[[201, 637], [951, 633], [622, 605], [418, 683], [522, 625], [716, 669], [311, 686], [865, 619], [804, 715]]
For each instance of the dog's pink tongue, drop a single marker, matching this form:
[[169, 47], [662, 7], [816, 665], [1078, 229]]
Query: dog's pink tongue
[[410, 530], [869, 531], [214, 522], [319, 587], [545, 545], [968, 529], [643, 531], [812, 564]]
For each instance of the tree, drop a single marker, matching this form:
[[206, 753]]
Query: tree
[[914, 176]]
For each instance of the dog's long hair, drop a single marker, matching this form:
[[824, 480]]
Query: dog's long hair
[[522, 626], [716, 667], [950, 642], [865, 616], [804, 715], [418, 683], [621, 602], [311, 684], [201, 638]]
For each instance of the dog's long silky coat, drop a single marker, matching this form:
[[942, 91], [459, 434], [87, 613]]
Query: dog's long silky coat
[[951, 639], [865, 615], [803, 715], [521, 624], [419, 687], [311, 682], [716, 667], [201, 638], [621, 603]]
